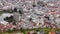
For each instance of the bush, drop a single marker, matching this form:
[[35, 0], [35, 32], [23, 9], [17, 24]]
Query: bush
[[9, 31]]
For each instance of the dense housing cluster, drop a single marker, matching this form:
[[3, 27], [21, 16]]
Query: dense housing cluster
[[33, 13]]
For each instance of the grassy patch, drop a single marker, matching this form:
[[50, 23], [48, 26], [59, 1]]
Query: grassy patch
[[1, 13]]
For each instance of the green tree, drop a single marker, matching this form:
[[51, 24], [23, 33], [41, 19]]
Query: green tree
[[9, 19]]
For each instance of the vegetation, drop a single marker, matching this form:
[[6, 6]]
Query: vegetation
[[25, 31], [15, 9], [1, 13], [9, 19]]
